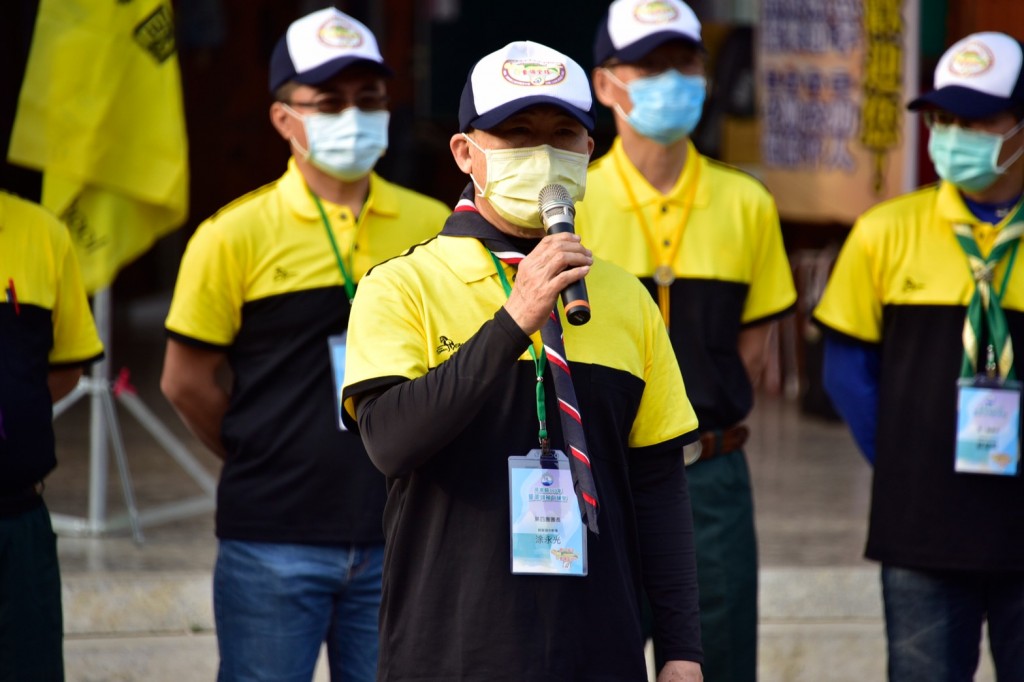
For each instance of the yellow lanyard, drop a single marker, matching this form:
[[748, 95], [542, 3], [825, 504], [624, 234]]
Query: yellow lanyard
[[663, 274]]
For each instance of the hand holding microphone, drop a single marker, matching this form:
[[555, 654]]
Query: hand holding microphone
[[559, 215]]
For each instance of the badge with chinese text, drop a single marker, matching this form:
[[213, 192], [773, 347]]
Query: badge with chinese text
[[988, 427], [548, 535]]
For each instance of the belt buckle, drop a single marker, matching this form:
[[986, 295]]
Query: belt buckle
[[692, 452]]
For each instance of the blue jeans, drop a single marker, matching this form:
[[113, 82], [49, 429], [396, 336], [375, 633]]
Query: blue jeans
[[275, 604], [933, 623]]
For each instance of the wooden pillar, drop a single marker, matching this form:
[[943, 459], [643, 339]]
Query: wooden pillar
[[972, 16]]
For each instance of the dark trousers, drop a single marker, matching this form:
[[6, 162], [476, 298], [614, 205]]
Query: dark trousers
[[723, 524], [31, 623]]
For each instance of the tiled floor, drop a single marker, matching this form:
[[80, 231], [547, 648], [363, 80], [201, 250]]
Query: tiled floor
[[811, 488]]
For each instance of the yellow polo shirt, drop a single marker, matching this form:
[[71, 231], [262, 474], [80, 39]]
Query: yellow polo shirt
[[902, 253], [45, 324], [730, 265], [902, 284], [39, 271], [259, 282], [412, 318], [414, 312], [272, 242]]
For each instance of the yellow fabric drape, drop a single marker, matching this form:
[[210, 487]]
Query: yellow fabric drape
[[100, 114]]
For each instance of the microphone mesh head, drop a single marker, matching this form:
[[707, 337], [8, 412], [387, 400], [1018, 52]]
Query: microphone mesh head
[[552, 195]]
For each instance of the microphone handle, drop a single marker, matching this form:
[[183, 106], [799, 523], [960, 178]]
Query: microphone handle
[[574, 297]]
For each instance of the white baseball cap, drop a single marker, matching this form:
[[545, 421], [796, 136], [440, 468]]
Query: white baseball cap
[[980, 75], [632, 28], [520, 75], [319, 45]]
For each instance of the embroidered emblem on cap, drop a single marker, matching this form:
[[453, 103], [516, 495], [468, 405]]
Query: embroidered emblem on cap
[[973, 59], [339, 33], [655, 12], [530, 72]]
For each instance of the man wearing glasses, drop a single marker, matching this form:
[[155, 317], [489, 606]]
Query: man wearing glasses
[[264, 291], [924, 319]]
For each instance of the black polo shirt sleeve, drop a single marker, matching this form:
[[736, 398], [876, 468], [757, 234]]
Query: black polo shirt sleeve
[[667, 552]]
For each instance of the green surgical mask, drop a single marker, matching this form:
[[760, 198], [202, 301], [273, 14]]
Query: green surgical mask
[[516, 176], [969, 159]]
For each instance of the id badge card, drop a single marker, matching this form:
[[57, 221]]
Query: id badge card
[[988, 427], [336, 346], [548, 534]]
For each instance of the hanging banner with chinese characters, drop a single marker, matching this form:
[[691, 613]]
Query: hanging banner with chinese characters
[[833, 79]]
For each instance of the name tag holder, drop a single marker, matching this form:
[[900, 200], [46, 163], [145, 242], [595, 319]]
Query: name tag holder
[[988, 426], [336, 347], [548, 536]]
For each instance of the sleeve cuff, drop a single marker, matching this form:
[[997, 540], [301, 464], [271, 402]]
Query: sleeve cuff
[[197, 343], [69, 364]]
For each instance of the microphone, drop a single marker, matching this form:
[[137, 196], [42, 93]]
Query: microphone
[[559, 215]]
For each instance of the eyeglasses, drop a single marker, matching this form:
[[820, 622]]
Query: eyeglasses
[[684, 59], [330, 104], [942, 119], [938, 118]]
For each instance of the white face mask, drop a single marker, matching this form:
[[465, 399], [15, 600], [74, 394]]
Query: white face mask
[[516, 176], [345, 145]]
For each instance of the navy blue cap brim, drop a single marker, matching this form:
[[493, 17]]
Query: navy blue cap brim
[[604, 50], [469, 120], [328, 70], [963, 102], [282, 70]]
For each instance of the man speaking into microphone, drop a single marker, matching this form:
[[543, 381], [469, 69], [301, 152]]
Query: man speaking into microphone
[[558, 215], [535, 477]]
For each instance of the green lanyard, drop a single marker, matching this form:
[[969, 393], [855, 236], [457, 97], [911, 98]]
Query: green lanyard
[[350, 287], [538, 363]]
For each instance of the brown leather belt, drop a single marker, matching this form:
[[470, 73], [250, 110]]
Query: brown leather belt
[[715, 443]]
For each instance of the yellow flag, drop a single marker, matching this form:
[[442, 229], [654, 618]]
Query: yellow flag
[[100, 113]]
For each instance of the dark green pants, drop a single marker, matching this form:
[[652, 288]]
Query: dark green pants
[[723, 523], [31, 624], [727, 566]]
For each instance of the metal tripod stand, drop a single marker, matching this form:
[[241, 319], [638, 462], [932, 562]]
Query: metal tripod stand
[[104, 429]]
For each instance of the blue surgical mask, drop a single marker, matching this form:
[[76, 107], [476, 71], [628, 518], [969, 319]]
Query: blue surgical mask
[[345, 145], [666, 107], [969, 159]]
